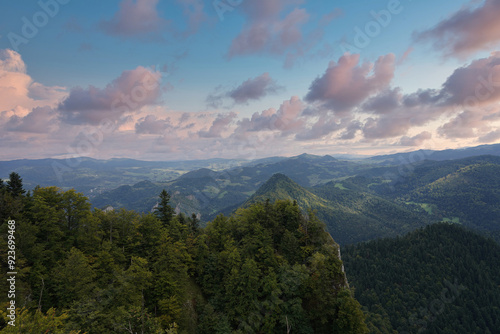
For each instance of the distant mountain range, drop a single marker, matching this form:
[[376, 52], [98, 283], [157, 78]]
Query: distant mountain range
[[358, 200], [450, 154]]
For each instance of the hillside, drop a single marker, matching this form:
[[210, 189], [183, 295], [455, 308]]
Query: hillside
[[351, 216], [93, 177], [450, 154], [266, 269], [209, 192], [440, 279], [358, 201], [464, 191]]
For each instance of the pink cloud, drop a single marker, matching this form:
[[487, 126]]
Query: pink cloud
[[128, 93], [286, 119], [405, 55], [39, 120], [219, 126], [474, 85], [270, 37], [254, 89], [466, 31], [325, 125], [493, 136], [17, 88], [276, 27], [152, 125], [466, 124], [417, 140], [251, 89], [384, 102], [135, 18], [347, 83]]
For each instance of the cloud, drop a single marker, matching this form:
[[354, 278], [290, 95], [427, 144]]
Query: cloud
[[474, 85], [219, 126], [277, 27], [128, 93], [347, 83], [39, 120], [465, 103], [386, 127], [325, 125], [466, 124], [417, 140], [286, 120], [405, 55], [268, 35], [385, 102], [493, 136], [251, 89], [467, 31], [17, 88], [135, 18], [152, 125]]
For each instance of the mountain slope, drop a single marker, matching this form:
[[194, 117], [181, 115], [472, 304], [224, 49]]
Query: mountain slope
[[350, 216], [450, 154], [440, 279], [281, 187]]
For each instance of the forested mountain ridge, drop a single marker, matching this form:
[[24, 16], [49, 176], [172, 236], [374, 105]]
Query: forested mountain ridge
[[450, 154], [350, 215], [266, 269], [440, 279], [376, 202]]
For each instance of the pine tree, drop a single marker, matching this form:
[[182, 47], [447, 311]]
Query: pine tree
[[2, 185], [164, 211], [194, 223], [15, 185]]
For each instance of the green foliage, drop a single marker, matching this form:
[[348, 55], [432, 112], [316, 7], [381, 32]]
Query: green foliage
[[266, 269], [37, 322], [15, 185], [248, 275], [441, 279], [164, 211]]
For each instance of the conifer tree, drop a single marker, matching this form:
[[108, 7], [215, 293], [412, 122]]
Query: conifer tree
[[194, 223], [15, 185], [164, 211]]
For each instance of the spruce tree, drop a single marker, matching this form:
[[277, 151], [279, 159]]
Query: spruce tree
[[164, 211], [15, 185], [194, 223]]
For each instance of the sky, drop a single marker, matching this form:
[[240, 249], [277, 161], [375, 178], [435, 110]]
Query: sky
[[195, 79]]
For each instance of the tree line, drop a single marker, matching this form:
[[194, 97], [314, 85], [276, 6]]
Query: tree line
[[268, 268]]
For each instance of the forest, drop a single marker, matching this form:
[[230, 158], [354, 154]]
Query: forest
[[439, 279], [268, 268]]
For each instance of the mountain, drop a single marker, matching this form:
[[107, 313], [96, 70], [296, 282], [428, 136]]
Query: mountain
[[439, 279], [266, 269], [464, 191], [92, 176], [208, 192], [281, 187], [450, 154], [351, 216], [358, 202]]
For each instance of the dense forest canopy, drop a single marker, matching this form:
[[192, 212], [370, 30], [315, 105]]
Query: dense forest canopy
[[267, 269], [440, 279]]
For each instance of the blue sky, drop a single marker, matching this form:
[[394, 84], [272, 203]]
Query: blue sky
[[189, 79]]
